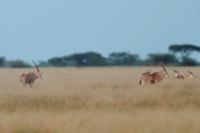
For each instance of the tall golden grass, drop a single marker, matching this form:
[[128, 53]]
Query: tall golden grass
[[98, 100]]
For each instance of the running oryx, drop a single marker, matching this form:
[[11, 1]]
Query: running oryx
[[29, 78], [177, 75], [189, 75], [155, 77]]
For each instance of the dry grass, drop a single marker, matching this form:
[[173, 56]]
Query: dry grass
[[96, 100]]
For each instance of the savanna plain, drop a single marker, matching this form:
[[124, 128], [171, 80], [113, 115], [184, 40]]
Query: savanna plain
[[99, 100]]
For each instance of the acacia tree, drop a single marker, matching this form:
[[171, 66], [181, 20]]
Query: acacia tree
[[2, 61], [87, 59], [166, 58], [185, 50], [18, 64], [123, 59]]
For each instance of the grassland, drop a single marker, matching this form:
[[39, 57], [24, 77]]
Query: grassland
[[98, 100]]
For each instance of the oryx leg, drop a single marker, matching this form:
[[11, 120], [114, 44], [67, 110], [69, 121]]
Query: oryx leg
[[30, 85]]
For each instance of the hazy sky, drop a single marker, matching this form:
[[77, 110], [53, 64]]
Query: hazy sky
[[40, 29]]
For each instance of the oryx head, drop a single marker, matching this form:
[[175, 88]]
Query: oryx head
[[38, 70], [162, 65], [191, 74], [175, 71]]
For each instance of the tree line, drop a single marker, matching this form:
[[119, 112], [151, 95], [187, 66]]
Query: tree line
[[177, 55]]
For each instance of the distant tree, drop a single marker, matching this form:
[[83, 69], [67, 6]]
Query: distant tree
[[165, 58], [123, 59], [86, 59], [185, 50], [43, 64], [56, 61], [78, 58], [188, 62], [18, 64], [2, 61]]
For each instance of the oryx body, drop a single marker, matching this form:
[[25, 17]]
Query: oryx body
[[189, 75], [153, 78], [31, 77]]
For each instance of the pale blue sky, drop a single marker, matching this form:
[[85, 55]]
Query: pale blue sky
[[40, 29]]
